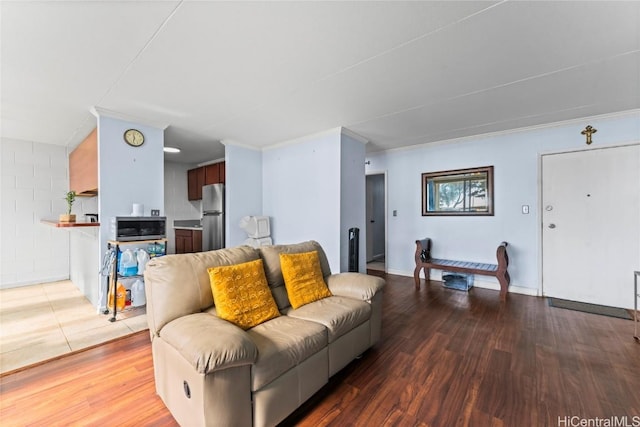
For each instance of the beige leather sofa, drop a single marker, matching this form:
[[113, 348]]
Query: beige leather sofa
[[210, 372]]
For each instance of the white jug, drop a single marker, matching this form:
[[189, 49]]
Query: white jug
[[128, 263], [143, 258], [137, 294]]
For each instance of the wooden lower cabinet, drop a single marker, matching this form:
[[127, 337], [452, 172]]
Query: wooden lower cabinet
[[197, 240], [188, 241]]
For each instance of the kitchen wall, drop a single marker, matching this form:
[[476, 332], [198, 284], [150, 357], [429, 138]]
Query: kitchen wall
[[176, 203], [516, 160], [34, 181]]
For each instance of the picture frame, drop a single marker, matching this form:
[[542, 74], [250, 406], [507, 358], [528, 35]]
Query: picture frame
[[459, 192]]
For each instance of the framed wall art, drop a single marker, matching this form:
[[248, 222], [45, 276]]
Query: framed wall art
[[458, 192]]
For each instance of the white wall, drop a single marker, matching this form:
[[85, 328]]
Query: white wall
[[243, 189], [176, 202], [352, 199], [34, 181], [83, 248], [314, 189], [515, 157], [301, 192], [127, 175]]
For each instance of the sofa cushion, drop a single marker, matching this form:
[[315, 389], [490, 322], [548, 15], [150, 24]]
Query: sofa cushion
[[283, 343], [355, 285], [338, 314], [303, 278], [271, 257], [178, 285], [209, 343], [241, 294]]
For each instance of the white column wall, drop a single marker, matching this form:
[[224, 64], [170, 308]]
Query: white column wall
[[352, 200], [243, 189], [127, 175], [301, 192]]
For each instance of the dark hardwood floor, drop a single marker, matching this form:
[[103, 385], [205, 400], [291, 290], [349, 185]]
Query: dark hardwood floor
[[447, 358]]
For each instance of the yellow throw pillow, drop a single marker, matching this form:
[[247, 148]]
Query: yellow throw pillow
[[241, 294], [303, 278]]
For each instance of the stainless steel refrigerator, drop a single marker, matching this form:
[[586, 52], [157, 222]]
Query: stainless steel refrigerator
[[212, 217]]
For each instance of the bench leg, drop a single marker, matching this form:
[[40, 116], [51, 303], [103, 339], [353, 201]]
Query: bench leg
[[416, 275], [503, 279]]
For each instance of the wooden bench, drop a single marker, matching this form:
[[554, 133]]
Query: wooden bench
[[499, 271]]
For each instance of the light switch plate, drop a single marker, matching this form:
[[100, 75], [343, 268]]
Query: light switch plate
[[525, 209]]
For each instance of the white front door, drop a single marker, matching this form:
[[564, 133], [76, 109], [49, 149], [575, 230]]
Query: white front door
[[591, 225]]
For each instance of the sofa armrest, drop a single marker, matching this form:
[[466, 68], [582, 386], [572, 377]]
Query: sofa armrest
[[355, 285], [209, 343]]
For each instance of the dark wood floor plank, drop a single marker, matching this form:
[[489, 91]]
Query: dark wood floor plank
[[446, 358]]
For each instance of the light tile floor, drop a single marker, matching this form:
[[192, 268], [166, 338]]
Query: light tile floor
[[44, 321]]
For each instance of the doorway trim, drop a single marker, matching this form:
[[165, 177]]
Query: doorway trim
[[386, 216], [540, 201]]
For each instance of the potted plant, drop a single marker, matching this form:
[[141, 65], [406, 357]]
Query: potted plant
[[70, 197]]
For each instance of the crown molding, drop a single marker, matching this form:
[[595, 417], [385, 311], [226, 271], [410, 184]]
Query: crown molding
[[333, 131], [231, 142], [338, 132], [579, 120], [210, 162], [351, 134], [99, 111]]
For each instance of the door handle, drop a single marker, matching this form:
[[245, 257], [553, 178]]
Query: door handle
[[552, 226]]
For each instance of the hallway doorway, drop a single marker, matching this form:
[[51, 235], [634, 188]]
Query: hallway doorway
[[376, 221]]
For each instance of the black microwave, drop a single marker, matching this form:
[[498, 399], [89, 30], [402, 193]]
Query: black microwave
[[134, 228]]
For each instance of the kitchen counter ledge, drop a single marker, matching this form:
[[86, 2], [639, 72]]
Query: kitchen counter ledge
[[56, 223]]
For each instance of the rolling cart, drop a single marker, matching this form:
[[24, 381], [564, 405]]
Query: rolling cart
[[114, 275]]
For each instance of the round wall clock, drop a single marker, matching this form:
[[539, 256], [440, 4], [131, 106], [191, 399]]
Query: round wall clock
[[134, 137]]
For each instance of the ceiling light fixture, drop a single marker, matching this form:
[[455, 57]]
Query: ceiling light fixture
[[171, 150]]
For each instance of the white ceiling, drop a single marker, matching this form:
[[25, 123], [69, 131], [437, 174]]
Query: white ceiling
[[259, 73]]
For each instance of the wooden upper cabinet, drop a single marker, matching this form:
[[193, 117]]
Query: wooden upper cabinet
[[212, 174], [204, 175], [195, 181], [83, 166], [223, 172]]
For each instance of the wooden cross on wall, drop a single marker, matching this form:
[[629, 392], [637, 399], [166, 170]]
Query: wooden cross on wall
[[588, 131]]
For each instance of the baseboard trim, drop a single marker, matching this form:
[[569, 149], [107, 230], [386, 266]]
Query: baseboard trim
[[477, 281], [21, 283]]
